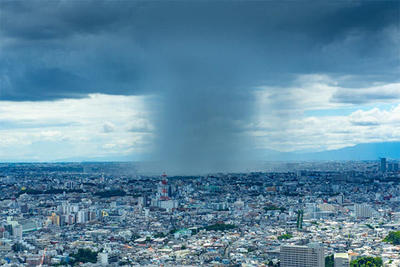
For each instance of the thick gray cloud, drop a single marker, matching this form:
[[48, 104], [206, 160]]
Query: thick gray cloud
[[388, 93], [53, 49], [202, 58]]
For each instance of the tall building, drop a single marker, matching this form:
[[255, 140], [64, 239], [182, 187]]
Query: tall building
[[81, 217], [393, 166], [163, 188], [363, 211], [102, 259], [310, 211], [341, 260], [17, 231], [143, 201], [383, 164], [311, 255], [163, 199]]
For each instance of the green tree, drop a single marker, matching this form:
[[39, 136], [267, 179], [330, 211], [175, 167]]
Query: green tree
[[84, 255], [110, 193], [299, 222], [285, 236], [329, 261], [367, 262], [393, 238], [369, 226], [159, 235], [273, 207], [219, 227]]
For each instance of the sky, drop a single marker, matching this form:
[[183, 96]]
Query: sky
[[195, 83]]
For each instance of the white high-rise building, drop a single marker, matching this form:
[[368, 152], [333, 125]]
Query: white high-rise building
[[311, 255], [341, 260], [363, 211], [310, 211], [168, 204], [81, 216], [17, 231], [102, 259]]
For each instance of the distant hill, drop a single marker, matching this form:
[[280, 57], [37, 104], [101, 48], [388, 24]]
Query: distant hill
[[367, 151]]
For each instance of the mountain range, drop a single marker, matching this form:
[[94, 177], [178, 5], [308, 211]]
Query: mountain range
[[366, 151]]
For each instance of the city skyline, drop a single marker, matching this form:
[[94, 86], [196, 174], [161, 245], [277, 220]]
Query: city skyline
[[306, 214], [191, 83]]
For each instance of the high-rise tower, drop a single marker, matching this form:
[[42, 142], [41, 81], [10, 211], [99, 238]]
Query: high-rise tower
[[163, 187], [383, 164]]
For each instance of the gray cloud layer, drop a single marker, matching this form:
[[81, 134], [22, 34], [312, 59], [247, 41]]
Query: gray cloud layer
[[54, 49], [203, 58]]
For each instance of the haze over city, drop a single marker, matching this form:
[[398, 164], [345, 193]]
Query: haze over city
[[191, 83]]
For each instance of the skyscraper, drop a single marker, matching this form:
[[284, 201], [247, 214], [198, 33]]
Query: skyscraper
[[395, 166], [311, 255], [383, 164]]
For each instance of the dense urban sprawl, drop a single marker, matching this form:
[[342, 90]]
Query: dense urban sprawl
[[108, 214]]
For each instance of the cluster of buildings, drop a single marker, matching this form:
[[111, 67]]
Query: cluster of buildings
[[294, 215], [391, 166]]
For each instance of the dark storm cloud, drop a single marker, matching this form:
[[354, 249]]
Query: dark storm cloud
[[124, 47], [365, 96], [49, 83], [46, 20], [202, 58]]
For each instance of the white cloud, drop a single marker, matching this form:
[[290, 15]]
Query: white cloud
[[91, 127], [282, 122], [332, 132], [311, 92], [316, 91], [376, 116], [103, 125]]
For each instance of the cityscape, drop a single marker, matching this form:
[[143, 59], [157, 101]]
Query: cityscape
[[190, 133], [292, 214]]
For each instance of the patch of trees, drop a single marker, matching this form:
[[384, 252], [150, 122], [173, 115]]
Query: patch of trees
[[53, 191], [285, 236], [110, 193], [219, 227], [393, 238], [84, 255], [159, 235], [367, 262], [89, 184], [273, 207], [272, 264], [369, 226], [329, 261]]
